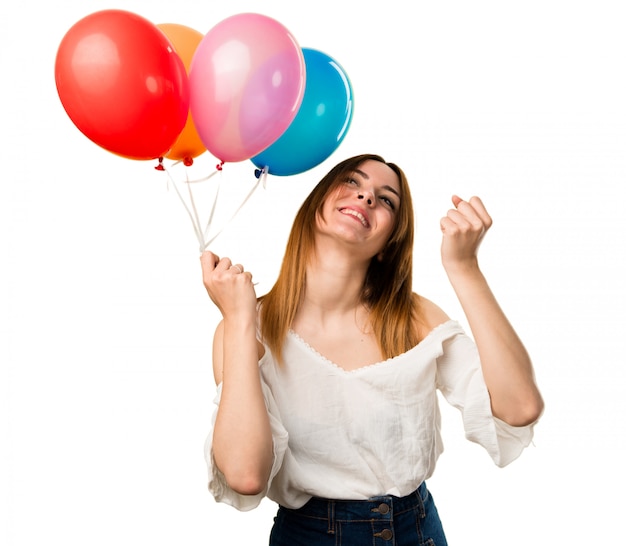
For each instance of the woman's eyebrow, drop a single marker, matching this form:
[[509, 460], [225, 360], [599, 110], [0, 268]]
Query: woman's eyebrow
[[385, 187], [392, 190]]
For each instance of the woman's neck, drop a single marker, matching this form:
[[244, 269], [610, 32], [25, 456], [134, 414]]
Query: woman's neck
[[334, 285]]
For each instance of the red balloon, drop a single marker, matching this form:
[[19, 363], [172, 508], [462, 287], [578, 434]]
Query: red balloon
[[122, 84]]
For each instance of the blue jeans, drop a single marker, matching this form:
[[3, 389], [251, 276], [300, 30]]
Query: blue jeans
[[380, 521]]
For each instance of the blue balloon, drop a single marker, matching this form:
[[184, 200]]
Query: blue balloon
[[321, 123]]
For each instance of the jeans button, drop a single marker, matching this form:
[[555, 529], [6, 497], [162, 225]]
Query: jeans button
[[383, 509], [386, 534]]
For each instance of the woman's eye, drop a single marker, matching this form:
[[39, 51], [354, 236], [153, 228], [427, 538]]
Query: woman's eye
[[388, 202]]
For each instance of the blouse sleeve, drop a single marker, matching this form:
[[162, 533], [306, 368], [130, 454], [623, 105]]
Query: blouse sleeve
[[460, 380], [217, 483]]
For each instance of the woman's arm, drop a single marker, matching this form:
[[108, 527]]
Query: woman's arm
[[506, 366], [242, 438]]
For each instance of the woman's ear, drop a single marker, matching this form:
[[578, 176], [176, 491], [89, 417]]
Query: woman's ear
[[380, 256]]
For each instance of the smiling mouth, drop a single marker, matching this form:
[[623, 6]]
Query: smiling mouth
[[356, 214]]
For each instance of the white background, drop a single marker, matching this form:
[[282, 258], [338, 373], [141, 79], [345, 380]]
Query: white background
[[106, 389]]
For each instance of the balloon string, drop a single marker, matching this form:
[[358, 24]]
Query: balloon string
[[193, 212], [196, 226], [262, 178], [204, 178], [210, 220], [199, 232]]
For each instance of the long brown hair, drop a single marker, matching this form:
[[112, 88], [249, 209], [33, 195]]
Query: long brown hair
[[387, 288]]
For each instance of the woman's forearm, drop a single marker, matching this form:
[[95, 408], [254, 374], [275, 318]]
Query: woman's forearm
[[242, 438], [506, 365]]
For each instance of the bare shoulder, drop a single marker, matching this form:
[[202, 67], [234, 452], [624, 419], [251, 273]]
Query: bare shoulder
[[431, 316]]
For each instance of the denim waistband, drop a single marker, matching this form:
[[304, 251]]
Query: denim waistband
[[382, 507]]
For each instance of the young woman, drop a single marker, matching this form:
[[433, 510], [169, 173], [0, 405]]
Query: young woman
[[327, 385]]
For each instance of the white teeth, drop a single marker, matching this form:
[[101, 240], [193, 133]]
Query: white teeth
[[356, 214]]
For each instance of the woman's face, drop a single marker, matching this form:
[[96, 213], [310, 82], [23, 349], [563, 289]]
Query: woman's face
[[363, 208]]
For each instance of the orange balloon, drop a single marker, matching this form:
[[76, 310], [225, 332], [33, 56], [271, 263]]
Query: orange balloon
[[185, 41]]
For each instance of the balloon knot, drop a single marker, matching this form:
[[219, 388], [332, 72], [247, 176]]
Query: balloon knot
[[160, 166], [219, 165], [257, 173], [188, 161]]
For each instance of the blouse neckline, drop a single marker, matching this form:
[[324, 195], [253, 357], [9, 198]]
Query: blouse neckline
[[294, 335]]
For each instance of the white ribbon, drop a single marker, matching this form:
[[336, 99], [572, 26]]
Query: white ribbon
[[203, 234]]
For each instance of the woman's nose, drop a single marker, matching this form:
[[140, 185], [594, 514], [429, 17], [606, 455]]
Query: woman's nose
[[367, 196]]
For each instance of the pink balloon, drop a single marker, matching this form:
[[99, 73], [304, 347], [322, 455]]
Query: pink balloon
[[247, 80]]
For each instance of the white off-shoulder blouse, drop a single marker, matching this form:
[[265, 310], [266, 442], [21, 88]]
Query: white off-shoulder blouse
[[371, 431]]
